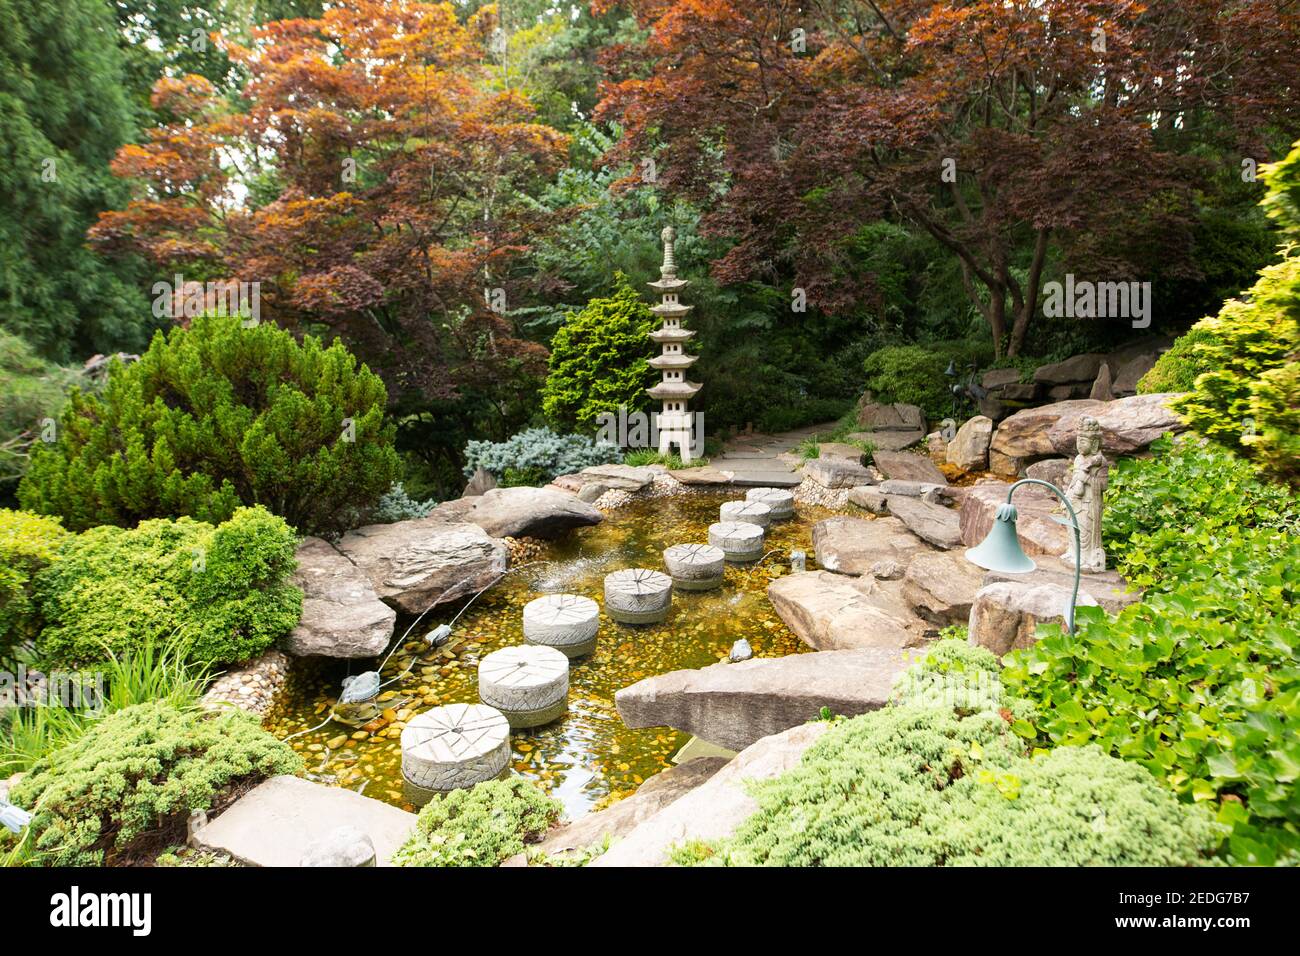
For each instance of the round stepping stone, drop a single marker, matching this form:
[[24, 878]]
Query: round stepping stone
[[740, 541], [754, 512], [638, 595], [529, 684], [566, 622], [453, 747], [778, 500], [695, 567]]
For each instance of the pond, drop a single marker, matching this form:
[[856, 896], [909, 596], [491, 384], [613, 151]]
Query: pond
[[588, 757]]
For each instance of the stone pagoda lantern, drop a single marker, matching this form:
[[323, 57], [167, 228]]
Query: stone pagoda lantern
[[674, 391]]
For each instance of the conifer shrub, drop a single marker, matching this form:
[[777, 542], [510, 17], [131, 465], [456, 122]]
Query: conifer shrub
[[28, 543], [481, 826], [220, 592], [944, 776], [599, 360], [535, 456], [920, 786], [137, 772], [214, 416]]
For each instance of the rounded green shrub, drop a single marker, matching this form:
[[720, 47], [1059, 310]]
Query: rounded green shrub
[[220, 592], [1176, 369], [28, 543], [481, 826], [136, 772], [914, 374], [599, 360], [215, 416]]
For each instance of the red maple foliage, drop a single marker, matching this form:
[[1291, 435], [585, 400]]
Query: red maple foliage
[[367, 179]]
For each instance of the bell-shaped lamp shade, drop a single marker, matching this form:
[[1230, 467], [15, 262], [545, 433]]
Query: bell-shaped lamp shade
[[1000, 550]]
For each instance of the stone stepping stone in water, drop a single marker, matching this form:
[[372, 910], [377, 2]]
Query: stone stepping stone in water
[[566, 622], [529, 684], [638, 595], [740, 541], [453, 747], [779, 501], [754, 512], [695, 567]]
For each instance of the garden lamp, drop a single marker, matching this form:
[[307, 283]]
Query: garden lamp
[[1000, 550]]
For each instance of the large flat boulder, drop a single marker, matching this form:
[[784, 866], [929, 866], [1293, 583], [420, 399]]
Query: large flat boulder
[[713, 810], [1024, 435], [889, 440], [621, 477], [734, 705], [840, 450], [830, 612], [941, 586], [969, 449], [837, 472], [1127, 425], [415, 564], [531, 512], [621, 818], [849, 545], [932, 523], [1108, 588], [1036, 507], [703, 475], [1005, 616], [341, 614], [896, 417], [1077, 368], [906, 466], [275, 822]]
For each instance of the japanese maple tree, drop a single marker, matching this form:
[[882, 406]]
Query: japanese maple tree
[[368, 177], [1009, 131]]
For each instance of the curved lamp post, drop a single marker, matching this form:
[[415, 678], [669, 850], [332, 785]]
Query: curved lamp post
[[1000, 550]]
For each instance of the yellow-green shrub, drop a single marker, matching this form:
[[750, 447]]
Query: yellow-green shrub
[[222, 592], [28, 543]]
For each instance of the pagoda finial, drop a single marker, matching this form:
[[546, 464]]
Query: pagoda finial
[[669, 268]]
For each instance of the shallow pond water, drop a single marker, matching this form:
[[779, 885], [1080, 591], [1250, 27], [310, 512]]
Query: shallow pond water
[[588, 757]]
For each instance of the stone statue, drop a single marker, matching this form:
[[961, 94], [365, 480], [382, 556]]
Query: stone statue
[[1087, 486]]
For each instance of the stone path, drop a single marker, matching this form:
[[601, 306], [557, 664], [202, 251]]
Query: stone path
[[756, 460]]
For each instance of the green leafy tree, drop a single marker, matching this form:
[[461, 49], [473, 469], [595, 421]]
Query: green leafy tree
[[599, 359], [215, 416], [63, 114]]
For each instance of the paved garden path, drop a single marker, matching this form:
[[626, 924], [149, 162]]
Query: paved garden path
[[756, 459]]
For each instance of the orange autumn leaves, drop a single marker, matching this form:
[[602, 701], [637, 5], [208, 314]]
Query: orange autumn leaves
[[367, 174]]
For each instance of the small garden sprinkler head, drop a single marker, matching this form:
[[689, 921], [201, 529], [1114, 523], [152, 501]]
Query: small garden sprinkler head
[[438, 636], [798, 561]]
